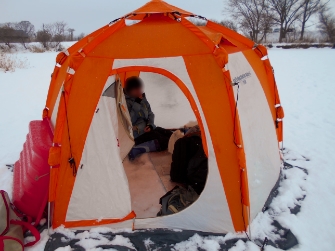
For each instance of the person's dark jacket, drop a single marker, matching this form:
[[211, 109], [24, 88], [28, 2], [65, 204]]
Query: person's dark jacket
[[141, 114]]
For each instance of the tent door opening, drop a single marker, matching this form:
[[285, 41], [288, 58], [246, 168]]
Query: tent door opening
[[149, 174]]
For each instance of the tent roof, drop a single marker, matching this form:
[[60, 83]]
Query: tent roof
[[159, 6]]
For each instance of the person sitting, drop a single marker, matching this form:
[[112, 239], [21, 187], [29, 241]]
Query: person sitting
[[143, 119]]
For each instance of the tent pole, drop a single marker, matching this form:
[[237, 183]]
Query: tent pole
[[49, 204], [49, 217]]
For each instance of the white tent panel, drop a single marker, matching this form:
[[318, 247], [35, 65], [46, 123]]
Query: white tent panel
[[55, 110], [258, 132], [163, 93], [101, 188]]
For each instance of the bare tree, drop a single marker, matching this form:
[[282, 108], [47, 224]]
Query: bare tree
[[6, 34], [81, 36], [327, 24], [9, 34], [28, 28], [70, 30], [52, 34], [252, 17], [310, 7], [60, 27], [286, 12], [44, 36], [58, 32]]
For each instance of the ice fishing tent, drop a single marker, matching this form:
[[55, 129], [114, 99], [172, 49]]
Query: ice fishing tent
[[227, 80]]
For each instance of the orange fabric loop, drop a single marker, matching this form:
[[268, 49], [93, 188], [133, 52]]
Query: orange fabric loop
[[54, 156], [221, 56], [76, 60], [45, 113], [280, 112], [61, 57], [261, 51]]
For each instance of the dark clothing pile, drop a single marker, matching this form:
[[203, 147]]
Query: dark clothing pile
[[189, 163], [190, 167], [160, 134]]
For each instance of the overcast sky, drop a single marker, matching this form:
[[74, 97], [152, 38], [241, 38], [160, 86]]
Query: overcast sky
[[87, 16]]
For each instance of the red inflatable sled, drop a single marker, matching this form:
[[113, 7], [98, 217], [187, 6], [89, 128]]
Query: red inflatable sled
[[31, 171]]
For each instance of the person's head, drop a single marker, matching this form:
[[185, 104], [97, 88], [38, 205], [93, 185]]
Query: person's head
[[134, 86]]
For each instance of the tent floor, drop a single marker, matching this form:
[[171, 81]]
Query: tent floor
[[149, 179]]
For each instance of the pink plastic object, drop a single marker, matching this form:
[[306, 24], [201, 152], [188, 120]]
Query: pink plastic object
[[31, 171]]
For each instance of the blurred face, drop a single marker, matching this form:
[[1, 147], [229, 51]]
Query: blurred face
[[136, 92]]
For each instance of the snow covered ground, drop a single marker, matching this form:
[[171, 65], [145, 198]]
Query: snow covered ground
[[306, 82]]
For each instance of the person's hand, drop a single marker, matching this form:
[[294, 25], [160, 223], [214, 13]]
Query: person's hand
[[147, 129]]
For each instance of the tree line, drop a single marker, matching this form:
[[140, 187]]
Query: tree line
[[254, 18], [49, 35], [257, 18]]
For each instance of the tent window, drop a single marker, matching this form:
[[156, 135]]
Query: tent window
[[130, 22], [110, 91]]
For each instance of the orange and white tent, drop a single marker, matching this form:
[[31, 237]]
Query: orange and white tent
[[227, 80]]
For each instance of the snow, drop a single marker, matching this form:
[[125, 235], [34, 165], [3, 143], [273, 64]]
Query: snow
[[89, 240], [241, 246], [291, 191], [306, 83], [41, 244], [22, 98], [196, 241], [67, 248]]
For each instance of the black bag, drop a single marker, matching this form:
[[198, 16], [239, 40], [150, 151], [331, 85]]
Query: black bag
[[197, 170], [189, 163], [177, 200], [184, 149]]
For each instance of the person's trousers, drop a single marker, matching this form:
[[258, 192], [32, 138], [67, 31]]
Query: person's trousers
[[160, 134]]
